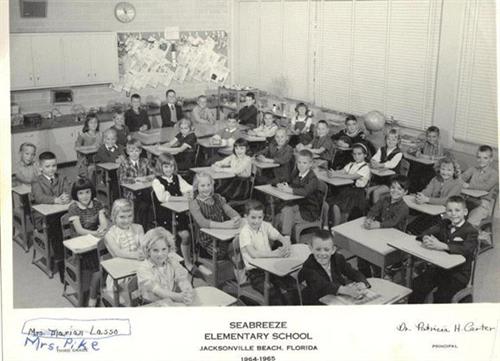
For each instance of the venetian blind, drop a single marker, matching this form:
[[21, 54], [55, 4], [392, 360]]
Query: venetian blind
[[271, 45], [476, 112], [248, 43]]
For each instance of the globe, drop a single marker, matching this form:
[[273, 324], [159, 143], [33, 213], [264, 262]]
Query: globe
[[374, 120]]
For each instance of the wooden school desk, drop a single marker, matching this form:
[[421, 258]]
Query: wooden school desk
[[209, 147], [281, 267], [431, 209], [275, 192], [136, 187], [74, 250], [104, 185], [223, 235], [474, 193], [369, 244], [203, 296], [264, 165], [176, 207], [322, 175], [389, 293], [215, 174], [118, 269], [415, 248], [380, 172], [423, 159], [87, 151], [155, 135], [41, 240], [22, 217]]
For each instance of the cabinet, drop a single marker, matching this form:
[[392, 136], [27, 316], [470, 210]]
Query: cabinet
[[38, 138], [63, 59]]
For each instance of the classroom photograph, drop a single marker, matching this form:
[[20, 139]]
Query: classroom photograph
[[253, 153]]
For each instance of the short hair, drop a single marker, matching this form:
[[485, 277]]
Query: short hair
[[322, 121], [269, 113], [27, 144], [170, 91], [253, 205], [301, 105], [81, 184], [449, 160], [240, 142], [202, 96], [402, 180], [117, 111], [197, 178], [165, 158], [110, 131], [134, 143], [232, 115], [121, 205], [322, 234], [432, 129], [350, 117], [457, 199], [393, 131], [485, 148], [88, 118], [154, 235], [305, 153], [250, 95], [46, 156], [282, 129], [135, 96], [188, 121]]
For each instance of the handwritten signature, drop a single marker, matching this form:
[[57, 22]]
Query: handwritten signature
[[456, 327], [72, 335]]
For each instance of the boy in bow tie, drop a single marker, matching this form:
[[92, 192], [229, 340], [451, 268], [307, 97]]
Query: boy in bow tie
[[455, 236]]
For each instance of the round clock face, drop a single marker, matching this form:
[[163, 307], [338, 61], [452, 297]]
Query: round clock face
[[125, 12]]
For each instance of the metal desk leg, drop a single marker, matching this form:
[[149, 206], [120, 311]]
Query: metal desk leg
[[409, 272], [215, 263], [267, 284], [174, 230], [116, 293]]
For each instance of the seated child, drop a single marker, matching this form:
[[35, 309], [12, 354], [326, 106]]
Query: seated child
[[26, 170], [326, 272], [351, 134], [160, 276], [300, 125], [240, 164], [183, 146], [88, 216], [172, 187], [210, 210], [302, 182], [387, 157], [259, 239], [321, 144], [454, 236], [248, 114], [388, 212], [351, 201], [228, 135], [136, 118], [267, 129], [482, 177], [445, 184], [137, 169], [201, 114], [109, 151], [277, 151], [90, 137], [122, 131], [52, 188]]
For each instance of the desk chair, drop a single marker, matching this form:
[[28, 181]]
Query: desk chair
[[103, 188], [243, 287], [220, 271], [323, 218], [22, 220], [134, 296], [487, 224]]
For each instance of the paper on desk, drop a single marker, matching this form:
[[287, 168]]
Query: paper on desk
[[82, 243]]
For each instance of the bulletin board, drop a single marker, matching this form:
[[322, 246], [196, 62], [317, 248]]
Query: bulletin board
[[150, 59]]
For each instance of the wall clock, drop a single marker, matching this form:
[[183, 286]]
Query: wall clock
[[125, 12]]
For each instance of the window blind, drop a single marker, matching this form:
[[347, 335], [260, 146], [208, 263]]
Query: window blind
[[248, 44], [271, 46], [476, 118]]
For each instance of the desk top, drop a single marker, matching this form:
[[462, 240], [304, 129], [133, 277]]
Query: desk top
[[206, 143], [432, 209], [203, 296], [155, 135], [253, 138], [50, 209], [88, 150], [265, 165], [283, 266], [382, 172], [439, 258], [121, 267], [108, 166], [177, 206], [388, 292], [213, 173], [221, 234], [137, 186], [322, 175], [275, 192], [423, 159], [475, 193], [22, 189], [81, 244], [375, 239]]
